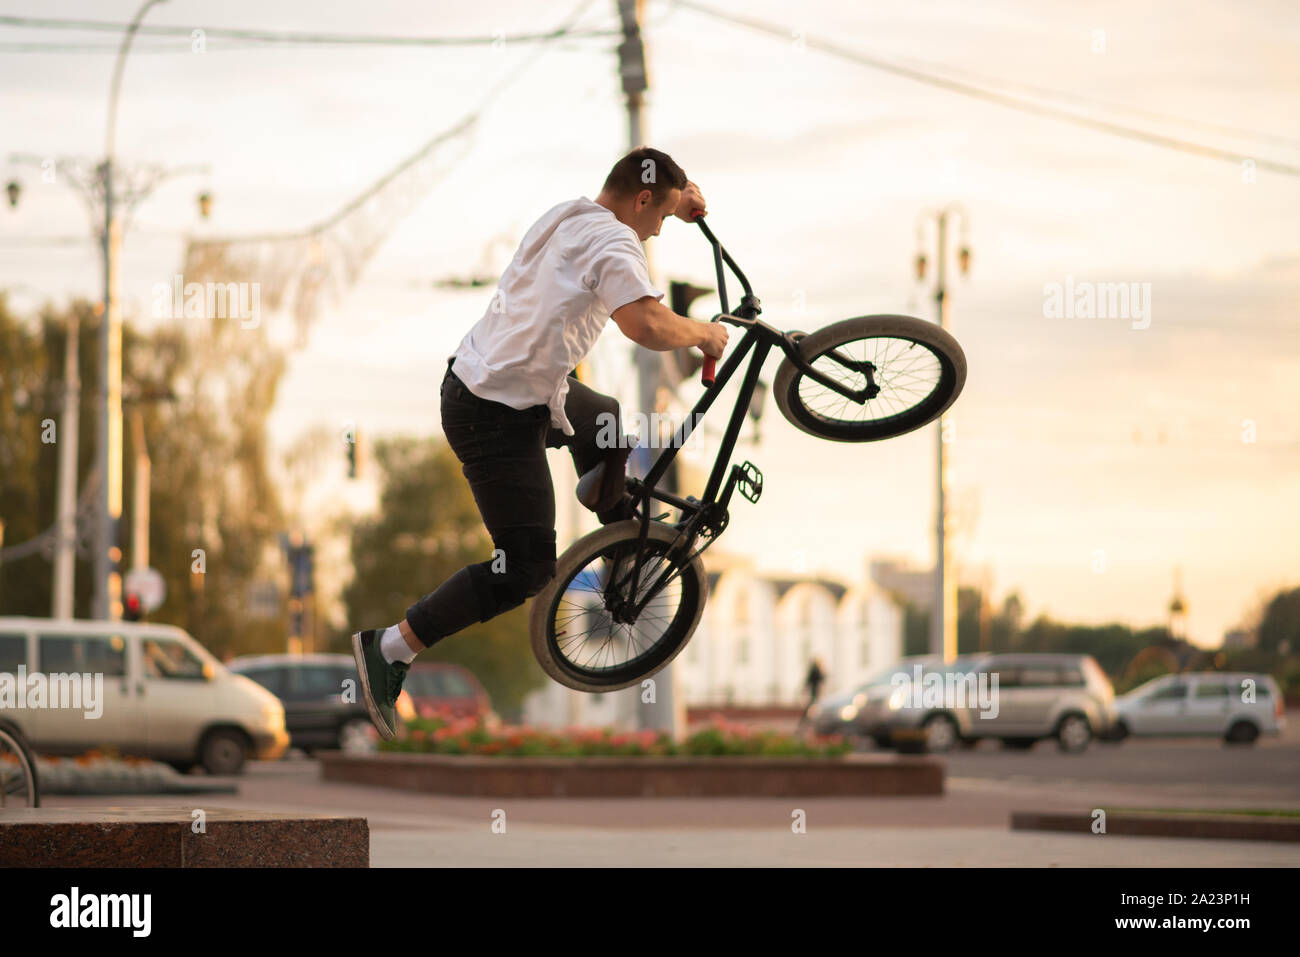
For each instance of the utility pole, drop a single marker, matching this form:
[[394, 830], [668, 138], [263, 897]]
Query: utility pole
[[65, 548], [662, 714], [943, 612], [140, 503]]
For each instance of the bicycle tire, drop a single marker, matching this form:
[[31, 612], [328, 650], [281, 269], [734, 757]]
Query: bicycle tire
[[577, 558], [947, 353], [27, 761]]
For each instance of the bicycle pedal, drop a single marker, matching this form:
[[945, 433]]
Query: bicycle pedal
[[749, 481]]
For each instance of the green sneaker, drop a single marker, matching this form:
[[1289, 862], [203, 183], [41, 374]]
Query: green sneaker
[[381, 681]]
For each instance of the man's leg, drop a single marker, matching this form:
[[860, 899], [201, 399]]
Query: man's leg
[[597, 429], [503, 456]]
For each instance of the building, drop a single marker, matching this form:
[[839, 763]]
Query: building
[[899, 577]]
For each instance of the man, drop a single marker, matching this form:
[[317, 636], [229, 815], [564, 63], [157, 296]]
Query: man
[[507, 397], [813, 683]]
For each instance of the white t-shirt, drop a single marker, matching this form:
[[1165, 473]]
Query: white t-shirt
[[574, 267]]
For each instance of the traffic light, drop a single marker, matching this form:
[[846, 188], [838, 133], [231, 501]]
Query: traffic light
[[680, 297], [131, 607]]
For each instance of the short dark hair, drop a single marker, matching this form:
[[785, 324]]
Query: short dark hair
[[645, 168]]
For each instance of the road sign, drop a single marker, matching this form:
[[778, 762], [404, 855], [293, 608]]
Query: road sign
[[149, 585]]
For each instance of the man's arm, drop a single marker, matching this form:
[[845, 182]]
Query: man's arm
[[648, 322]]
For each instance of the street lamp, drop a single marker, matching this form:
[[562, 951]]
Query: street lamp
[[108, 449], [943, 619]]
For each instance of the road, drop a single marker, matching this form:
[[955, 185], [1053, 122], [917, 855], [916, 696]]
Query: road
[[1268, 771]]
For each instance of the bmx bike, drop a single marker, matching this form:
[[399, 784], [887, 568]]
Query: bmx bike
[[626, 598], [19, 785]]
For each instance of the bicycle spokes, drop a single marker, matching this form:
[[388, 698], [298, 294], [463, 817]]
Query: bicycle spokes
[[597, 624], [17, 775], [894, 374]]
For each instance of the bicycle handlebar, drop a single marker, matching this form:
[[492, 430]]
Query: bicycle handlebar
[[710, 364], [720, 256]]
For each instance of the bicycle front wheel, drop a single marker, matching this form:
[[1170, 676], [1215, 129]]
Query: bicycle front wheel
[[582, 632], [19, 786], [916, 366]]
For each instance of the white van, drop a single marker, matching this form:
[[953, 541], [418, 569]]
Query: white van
[[151, 690]]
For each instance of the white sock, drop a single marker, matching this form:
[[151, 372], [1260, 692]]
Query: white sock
[[394, 647]]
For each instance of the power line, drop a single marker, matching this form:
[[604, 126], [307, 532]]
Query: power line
[[270, 38], [991, 96], [273, 36], [174, 49], [297, 267], [1110, 104]]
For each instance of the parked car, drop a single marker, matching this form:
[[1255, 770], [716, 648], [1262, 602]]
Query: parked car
[[1236, 706], [323, 703], [876, 710], [162, 695], [1066, 697], [448, 688]]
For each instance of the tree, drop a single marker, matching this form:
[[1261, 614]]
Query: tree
[[428, 528], [1279, 629], [212, 503], [215, 510]]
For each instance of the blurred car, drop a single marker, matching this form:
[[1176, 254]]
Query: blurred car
[[1061, 696], [163, 695], [1236, 706], [877, 710], [323, 703], [448, 689]]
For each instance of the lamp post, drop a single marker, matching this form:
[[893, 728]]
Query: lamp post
[[111, 194], [108, 448], [943, 612]]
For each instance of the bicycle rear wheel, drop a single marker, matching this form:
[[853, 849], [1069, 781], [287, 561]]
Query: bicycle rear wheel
[[577, 634], [19, 785], [918, 368]]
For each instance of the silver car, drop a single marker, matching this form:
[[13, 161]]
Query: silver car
[[1235, 706], [1037, 696], [893, 707]]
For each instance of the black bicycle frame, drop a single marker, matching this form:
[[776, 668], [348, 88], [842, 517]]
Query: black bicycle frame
[[710, 513]]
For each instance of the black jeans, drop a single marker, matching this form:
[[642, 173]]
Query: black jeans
[[503, 455]]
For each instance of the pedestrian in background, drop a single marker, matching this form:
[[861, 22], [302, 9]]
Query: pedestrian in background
[[812, 683]]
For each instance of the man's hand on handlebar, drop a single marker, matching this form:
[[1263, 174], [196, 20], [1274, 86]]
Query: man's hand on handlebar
[[714, 339], [692, 201]]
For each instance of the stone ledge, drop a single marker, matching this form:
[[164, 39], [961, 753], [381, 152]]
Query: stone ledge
[[1131, 824], [162, 837], [587, 777]]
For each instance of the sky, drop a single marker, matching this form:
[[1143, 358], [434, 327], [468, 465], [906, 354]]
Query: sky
[[1090, 458]]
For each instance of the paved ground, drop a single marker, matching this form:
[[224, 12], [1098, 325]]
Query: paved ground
[[530, 845], [967, 826]]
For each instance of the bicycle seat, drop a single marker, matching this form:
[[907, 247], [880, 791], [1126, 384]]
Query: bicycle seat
[[602, 488]]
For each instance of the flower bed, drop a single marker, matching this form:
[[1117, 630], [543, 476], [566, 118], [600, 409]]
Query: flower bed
[[440, 734], [467, 757]]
